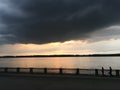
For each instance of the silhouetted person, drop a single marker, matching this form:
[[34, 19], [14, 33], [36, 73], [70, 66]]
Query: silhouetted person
[[102, 71], [110, 71]]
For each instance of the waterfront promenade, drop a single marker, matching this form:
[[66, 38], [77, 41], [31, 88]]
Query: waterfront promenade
[[57, 82], [59, 79]]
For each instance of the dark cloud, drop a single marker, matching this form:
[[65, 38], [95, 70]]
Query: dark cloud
[[44, 21]]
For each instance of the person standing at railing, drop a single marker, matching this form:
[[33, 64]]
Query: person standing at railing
[[102, 71], [110, 71]]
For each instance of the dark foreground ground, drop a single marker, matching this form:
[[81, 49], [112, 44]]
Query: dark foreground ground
[[57, 82]]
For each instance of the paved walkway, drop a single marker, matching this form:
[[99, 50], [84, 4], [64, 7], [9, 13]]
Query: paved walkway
[[57, 82]]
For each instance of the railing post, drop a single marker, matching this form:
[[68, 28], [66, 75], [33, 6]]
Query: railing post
[[45, 70], [31, 70], [0, 70], [117, 73], [110, 71], [103, 71], [61, 71], [6, 70], [18, 70], [96, 72], [77, 71]]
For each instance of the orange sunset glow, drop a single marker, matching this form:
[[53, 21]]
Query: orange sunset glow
[[68, 47]]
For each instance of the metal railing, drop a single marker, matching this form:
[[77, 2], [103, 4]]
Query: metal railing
[[62, 71]]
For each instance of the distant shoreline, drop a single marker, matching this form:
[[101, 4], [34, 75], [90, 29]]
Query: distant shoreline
[[91, 55]]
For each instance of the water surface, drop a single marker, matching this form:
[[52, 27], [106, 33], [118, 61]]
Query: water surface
[[62, 62]]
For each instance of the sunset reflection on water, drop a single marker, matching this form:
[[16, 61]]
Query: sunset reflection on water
[[62, 62]]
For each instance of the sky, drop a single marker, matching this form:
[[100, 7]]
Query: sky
[[30, 27]]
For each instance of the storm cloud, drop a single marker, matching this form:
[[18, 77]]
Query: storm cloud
[[45, 21]]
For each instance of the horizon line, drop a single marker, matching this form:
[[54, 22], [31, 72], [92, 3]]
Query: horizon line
[[61, 55]]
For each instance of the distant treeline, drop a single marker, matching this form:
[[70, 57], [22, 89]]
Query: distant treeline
[[91, 55]]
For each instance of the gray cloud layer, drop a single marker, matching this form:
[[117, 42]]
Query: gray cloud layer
[[44, 21]]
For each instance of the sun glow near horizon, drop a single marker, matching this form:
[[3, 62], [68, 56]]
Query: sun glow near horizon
[[68, 47]]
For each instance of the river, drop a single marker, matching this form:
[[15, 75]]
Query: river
[[62, 62]]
